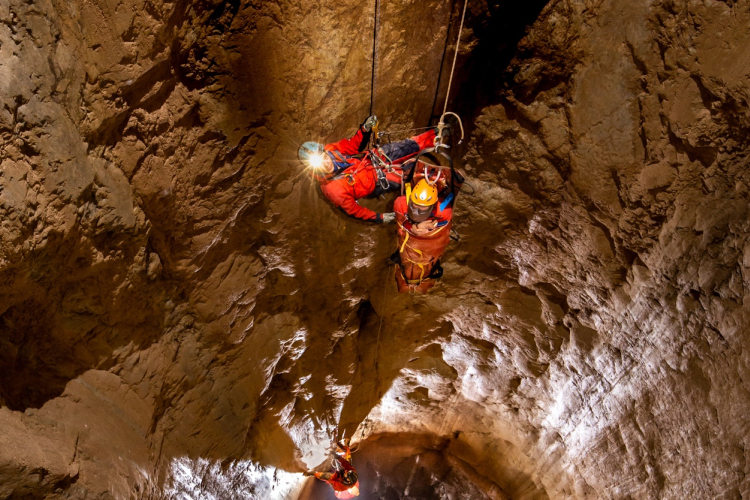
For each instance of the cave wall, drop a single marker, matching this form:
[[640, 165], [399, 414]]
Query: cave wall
[[149, 160], [182, 315], [607, 351]]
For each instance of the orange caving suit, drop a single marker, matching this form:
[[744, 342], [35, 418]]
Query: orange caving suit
[[340, 489], [354, 178], [419, 254]]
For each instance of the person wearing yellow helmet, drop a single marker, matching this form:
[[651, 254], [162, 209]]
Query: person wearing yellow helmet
[[424, 216], [422, 212]]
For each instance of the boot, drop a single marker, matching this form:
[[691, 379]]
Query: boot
[[437, 271], [394, 259]]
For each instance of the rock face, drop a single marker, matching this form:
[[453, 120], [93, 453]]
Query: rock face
[[183, 316]]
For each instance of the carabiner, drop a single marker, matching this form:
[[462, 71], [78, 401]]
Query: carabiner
[[427, 176]]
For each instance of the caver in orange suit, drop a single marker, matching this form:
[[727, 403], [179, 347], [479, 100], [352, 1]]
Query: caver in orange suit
[[419, 252]]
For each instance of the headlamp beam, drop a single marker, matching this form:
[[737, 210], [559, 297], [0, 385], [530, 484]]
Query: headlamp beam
[[316, 161]]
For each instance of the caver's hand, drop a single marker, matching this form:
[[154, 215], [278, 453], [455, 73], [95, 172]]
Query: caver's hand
[[389, 217], [424, 227]]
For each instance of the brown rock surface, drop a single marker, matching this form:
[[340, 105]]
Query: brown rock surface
[[183, 316]]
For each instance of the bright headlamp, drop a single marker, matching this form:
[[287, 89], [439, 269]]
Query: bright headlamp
[[316, 161]]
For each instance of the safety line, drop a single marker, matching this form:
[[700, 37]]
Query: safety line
[[411, 477], [442, 60], [455, 56], [380, 328], [377, 341], [406, 130], [365, 424], [374, 55]]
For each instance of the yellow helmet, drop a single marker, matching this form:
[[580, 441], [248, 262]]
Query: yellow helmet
[[424, 194], [421, 200]]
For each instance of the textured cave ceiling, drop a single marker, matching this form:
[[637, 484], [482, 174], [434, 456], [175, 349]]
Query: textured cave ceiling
[[183, 316]]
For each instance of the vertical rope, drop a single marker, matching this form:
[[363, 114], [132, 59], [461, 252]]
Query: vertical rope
[[455, 56], [411, 477], [377, 347], [374, 54], [380, 327], [442, 59]]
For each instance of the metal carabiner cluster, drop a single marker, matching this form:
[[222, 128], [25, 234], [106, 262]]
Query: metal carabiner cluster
[[381, 166], [441, 126], [439, 135]]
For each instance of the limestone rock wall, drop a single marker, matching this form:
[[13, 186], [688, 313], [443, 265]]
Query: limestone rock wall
[[183, 316], [641, 259]]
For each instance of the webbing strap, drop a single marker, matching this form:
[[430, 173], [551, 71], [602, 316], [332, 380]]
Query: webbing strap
[[445, 202], [405, 240], [421, 255], [412, 282]]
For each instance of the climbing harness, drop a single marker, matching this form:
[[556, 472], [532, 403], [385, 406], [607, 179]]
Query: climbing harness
[[380, 163]]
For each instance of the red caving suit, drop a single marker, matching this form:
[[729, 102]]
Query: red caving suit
[[354, 178]]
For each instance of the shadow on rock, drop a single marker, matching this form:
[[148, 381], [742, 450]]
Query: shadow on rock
[[72, 312]]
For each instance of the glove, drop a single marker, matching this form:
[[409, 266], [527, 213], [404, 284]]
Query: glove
[[371, 122], [389, 218]]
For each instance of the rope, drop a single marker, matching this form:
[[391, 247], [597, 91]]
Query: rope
[[455, 57], [411, 477], [377, 346], [442, 60], [385, 132], [374, 55], [380, 327]]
